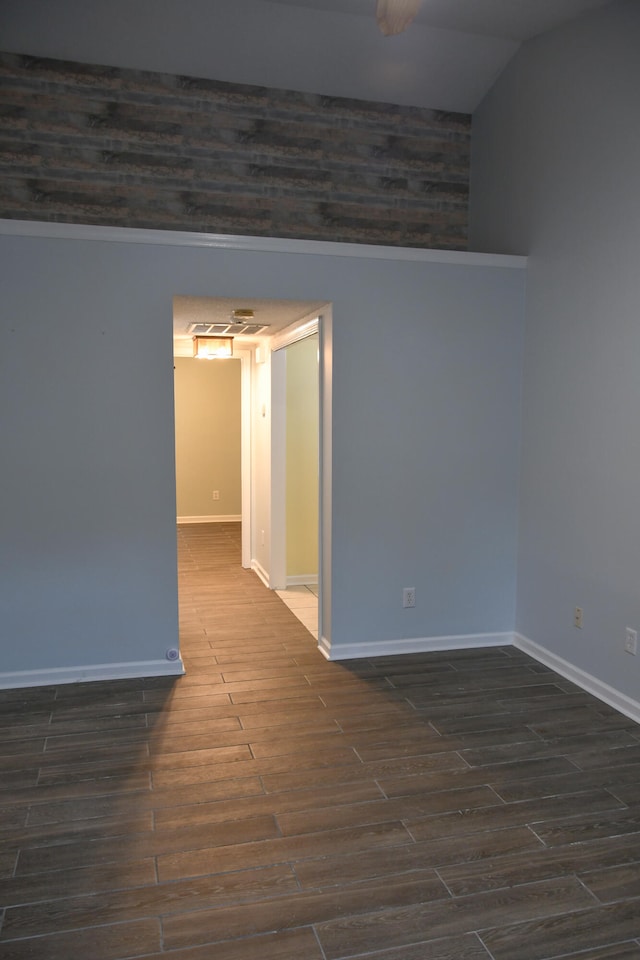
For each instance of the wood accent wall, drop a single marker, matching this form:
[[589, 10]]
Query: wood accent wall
[[103, 145]]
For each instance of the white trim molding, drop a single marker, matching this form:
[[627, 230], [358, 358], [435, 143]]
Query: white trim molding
[[95, 671], [326, 248], [303, 580], [261, 572], [385, 648], [294, 333], [219, 518], [586, 681]]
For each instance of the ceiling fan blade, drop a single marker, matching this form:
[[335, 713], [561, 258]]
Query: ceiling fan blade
[[394, 16]]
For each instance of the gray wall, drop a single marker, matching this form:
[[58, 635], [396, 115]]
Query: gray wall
[[555, 175], [425, 441], [426, 433], [87, 527]]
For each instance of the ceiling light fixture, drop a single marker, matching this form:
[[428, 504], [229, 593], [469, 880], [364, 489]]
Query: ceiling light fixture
[[212, 348], [242, 316], [394, 16]]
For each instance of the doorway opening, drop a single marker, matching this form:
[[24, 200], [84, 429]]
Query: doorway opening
[[254, 405], [296, 451]]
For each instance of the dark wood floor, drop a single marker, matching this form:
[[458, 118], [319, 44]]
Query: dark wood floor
[[271, 805]]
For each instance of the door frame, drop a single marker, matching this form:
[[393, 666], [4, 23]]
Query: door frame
[[286, 338], [320, 324], [245, 356]]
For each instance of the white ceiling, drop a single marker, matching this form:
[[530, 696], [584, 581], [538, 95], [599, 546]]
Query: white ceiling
[[447, 60], [275, 314], [510, 19]]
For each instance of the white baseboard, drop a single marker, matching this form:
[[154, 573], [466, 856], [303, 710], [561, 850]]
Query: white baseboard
[[96, 671], [219, 518], [614, 698], [303, 580], [262, 573], [385, 648], [324, 647]]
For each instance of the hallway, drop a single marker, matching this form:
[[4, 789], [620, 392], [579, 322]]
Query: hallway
[[272, 805]]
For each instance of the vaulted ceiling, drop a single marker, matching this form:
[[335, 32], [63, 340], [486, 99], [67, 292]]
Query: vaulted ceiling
[[450, 55], [447, 59], [511, 19]]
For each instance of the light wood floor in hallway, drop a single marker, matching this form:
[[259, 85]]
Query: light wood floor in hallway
[[273, 806]]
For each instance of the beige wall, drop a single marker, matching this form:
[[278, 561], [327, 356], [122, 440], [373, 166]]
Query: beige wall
[[207, 406], [261, 465], [302, 458]]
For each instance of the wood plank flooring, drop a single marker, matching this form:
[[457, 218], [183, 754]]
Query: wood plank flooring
[[452, 806]]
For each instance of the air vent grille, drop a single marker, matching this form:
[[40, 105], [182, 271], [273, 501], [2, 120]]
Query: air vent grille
[[232, 329]]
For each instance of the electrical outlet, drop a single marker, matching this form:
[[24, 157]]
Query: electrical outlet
[[631, 641], [409, 597], [577, 617], [216, 494]]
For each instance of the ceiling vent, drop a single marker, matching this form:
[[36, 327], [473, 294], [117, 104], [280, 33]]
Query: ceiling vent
[[233, 328]]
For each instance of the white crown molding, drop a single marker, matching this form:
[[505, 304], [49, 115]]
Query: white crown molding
[[177, 238], [385, 648], [220, 518], [95, 671], [586, 681], [295, 333]]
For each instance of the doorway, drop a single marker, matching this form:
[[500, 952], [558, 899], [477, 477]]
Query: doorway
[[213, 441], [263, 469], [301, 477]]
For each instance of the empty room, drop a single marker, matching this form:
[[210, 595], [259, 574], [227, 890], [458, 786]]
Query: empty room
[[445, 762]]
